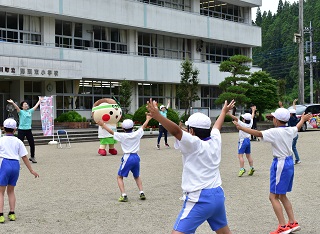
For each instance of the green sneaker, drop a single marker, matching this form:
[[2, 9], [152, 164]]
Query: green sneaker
[[250, 173], [12, 217], [142, 196], [123, 199], [2, 219], [241, 172]]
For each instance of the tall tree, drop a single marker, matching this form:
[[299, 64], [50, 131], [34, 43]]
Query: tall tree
[[188, 87], [126, 88], [236, 85], [263, 91]]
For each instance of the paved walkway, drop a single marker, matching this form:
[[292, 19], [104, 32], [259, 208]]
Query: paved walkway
[[77, 191]]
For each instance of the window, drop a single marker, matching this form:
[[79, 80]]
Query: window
[[209, 95], [71, 35], [32, 91], [222, 10], [147, 90], [163, 46], [216, 53], [20, 28], [182, 5]]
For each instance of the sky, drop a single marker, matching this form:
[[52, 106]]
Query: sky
[[267, 5]]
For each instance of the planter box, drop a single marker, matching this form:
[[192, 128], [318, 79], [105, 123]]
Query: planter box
[[72, 124]]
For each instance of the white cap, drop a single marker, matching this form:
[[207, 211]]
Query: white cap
[[247, 116], [127, 124], [292, 111], [199, 120], [161, 106], [186, 123], [10, 123], [281, 114]]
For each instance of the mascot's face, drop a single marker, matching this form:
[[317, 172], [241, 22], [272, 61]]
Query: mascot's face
[[108, 112]]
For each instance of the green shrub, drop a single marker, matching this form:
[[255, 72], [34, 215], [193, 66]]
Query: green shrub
[[140, 116], [126, 116], [227, 118], [70, 116]]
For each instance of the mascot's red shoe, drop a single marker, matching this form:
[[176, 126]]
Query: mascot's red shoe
[[102, 152], [113, 151]]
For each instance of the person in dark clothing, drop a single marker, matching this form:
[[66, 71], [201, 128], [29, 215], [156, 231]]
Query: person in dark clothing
[[293, 121]]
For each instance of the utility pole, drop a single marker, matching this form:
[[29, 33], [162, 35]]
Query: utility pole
[[301, 54], [310, 59]]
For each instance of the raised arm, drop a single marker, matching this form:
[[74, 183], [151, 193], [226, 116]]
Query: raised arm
[[294, 104], [248, 130], [173, 128], [15, 105], [253, 110], [226, 108], [235, 118], [145, 124], [168, 105], [304, 118], [37, 104], [104, 126]]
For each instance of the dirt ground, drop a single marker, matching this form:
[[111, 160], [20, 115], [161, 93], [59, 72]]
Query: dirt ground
[[77, 190]]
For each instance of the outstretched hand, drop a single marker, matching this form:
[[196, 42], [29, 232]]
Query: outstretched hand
[[227, 107], [10, 101], [237, 125], [306, 117]]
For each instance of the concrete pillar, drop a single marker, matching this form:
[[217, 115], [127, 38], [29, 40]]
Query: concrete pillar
[[195, 53], [48, 27], [132, 41], [195, 6]]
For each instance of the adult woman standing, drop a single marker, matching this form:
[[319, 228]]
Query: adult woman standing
[[25, 121]]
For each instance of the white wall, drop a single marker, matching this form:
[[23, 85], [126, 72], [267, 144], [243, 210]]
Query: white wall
[[146, 16]]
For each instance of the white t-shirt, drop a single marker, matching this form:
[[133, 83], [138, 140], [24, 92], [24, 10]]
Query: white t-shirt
[[12, 148], [102, 133], [281, 140], [243, 134], [130, 142], [201, 161]]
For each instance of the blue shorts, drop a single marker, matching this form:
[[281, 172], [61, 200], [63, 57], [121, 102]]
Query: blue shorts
[[281, 175], [9, 171], [244, 147], [210, 207], [130, 163]]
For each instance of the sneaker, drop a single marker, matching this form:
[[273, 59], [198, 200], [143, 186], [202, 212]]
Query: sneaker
[[12, 217], [33, 160], [123, 199], [167, 145], [294, 227], [297, 162], [241, 172], [281, 230], [252, 170], [2, 219], [158, 147], [142, 196]]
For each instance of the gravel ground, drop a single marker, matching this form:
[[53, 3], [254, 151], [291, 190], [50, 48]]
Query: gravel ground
[[77, 191]]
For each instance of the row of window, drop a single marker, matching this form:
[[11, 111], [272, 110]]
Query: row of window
[[213, 8], [183, 5], [20, 28], [222, 10], [82, 94], [26, 29]]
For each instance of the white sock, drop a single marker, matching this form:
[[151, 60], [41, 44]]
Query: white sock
[[124, 194], [141, 192]]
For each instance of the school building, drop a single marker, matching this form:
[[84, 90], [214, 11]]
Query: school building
[[79, 50]]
